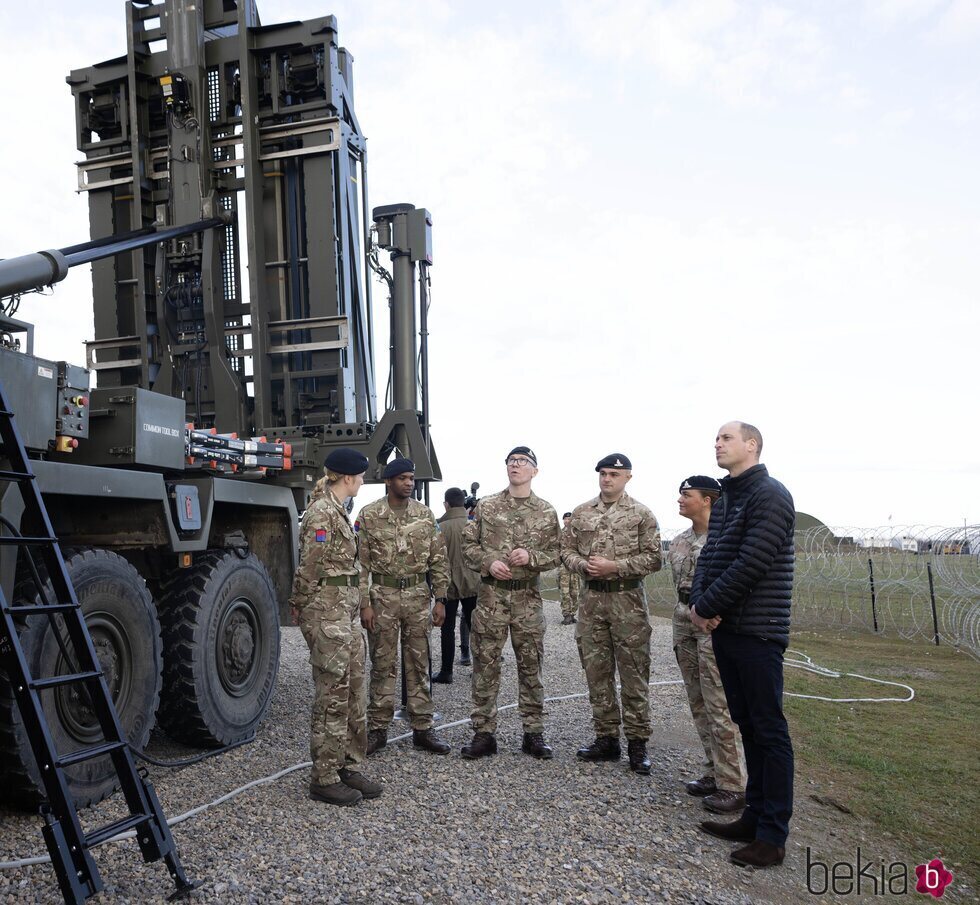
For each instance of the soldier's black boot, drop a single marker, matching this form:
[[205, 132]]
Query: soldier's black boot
[[605, 747], [443, 677], [354, 780], [483, 744], [338, 793], [376, 740], [427, 740], [535, 745], [637, 751]]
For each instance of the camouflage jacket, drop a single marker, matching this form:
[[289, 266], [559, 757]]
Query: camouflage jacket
[[464, 582], [502, 523], [401, 542], [569, 583], [327, 547], [683, 557], [626, 532]]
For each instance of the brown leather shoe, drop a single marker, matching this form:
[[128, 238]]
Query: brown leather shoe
[[759, 854], [636, 750], [701, 787], [337, 793], [535, 745], [723, 801], [741, 830], [427, 740], [361, 783], [605, 747], [376, 740], [483, 744]]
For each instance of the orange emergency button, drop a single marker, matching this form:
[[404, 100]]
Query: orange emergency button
[[65, 444]]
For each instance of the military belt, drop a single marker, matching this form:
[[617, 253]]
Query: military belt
[[684, 596], [510, 584], [393, 581], [340, 581], [620, 584]]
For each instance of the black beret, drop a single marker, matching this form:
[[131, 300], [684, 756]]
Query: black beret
[[398, 466], [524, 451], [567, 515], [615, 460], [345, 460], [700, 482]]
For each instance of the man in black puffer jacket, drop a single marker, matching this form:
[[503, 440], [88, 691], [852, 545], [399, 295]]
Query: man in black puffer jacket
[[741, 593]]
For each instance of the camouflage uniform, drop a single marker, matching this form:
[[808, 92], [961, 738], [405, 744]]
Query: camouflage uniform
[[570, 590], [502, 523], [400, 544], [613, 629], [329, 616], [699, 669]]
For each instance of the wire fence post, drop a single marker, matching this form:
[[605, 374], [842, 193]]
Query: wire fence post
[[874, 608], [932, 598]]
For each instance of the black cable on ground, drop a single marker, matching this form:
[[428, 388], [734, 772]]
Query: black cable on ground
[[192, 760]]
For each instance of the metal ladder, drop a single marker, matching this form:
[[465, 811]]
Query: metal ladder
[[68, 845]]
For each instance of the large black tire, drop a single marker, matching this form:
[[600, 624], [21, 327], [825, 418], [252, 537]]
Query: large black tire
[[220, 649], [122, 622]]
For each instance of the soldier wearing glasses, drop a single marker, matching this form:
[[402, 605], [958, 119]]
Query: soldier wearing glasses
[[512, 538], [613, 541]]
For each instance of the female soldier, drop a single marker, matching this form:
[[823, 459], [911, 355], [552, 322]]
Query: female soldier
[[327, 602]]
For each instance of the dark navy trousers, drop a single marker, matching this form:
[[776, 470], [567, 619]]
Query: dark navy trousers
[[751, 671]]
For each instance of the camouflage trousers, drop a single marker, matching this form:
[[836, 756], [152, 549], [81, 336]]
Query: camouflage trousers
[[723, 758], [331, 625], [570, 590], [520, 613], [613, 633], [404, 615]]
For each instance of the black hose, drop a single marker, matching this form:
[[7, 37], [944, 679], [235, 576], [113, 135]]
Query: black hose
[[173, 764]]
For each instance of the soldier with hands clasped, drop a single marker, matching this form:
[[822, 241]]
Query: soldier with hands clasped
[[399, 543], [613, 541], [724, 777], [512, 538], [326, 601]]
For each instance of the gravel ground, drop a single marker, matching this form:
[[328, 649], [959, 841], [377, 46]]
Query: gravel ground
[[505, 829]]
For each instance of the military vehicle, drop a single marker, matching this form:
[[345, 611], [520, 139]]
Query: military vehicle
[[174, 483]]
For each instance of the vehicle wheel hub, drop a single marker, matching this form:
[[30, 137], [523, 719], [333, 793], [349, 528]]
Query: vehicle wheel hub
[[237, 640]]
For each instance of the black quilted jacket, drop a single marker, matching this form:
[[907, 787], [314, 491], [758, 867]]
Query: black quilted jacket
[[745, 571]]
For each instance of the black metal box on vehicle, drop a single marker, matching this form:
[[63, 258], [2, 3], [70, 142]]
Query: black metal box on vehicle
[[133, 426], [31, 385]]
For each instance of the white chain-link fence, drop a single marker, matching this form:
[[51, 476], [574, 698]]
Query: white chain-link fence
[[909, 581]]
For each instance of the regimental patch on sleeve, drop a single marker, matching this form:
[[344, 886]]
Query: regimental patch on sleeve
[[321, 535], [357, 525]]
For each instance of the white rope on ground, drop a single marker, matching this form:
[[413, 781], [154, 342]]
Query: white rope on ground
[[806, 664]]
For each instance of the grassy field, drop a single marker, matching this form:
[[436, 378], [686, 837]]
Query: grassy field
[[912, 769]]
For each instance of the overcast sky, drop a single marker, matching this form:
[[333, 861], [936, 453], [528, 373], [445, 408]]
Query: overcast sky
[[649, 218]]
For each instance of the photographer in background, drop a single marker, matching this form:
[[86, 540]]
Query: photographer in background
[[464, 584]]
